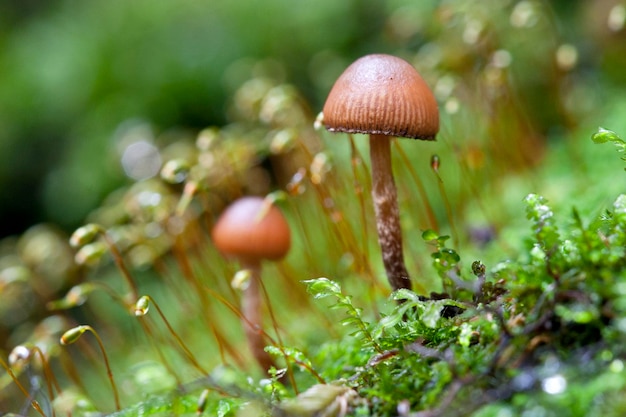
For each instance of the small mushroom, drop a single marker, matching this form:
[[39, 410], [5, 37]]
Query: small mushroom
[[251, 230], [383, 96]]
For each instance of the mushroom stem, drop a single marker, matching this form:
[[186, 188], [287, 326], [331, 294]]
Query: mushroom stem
[[252, 309], [385, 197]]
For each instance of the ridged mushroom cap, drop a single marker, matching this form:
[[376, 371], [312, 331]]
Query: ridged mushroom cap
[[382, 95], [252, 229]]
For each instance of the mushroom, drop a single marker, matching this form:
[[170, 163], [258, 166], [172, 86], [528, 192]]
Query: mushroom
[[251, 230], [383, 96]]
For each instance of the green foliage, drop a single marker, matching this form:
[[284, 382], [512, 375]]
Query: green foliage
[[173, 405], [445, 259], [323, 288], [515, 342]]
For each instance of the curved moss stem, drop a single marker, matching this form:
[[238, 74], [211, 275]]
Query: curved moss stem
[[385, 198]]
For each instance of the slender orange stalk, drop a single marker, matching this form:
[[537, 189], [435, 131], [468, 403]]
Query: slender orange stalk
[[73, 335], [142, 308], [33, 402]]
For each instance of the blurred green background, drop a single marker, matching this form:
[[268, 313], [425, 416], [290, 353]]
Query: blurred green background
[[73, 71], [76, 74]]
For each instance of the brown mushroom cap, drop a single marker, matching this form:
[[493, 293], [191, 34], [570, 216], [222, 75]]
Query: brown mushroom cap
[[252, 229], [382, 95]]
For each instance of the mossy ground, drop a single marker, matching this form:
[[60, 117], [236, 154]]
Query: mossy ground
[[518, 237]]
